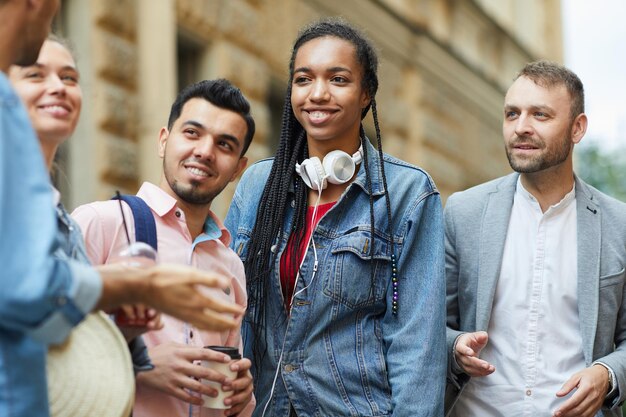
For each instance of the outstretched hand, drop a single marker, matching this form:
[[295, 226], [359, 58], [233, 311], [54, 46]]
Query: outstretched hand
[[467, 351], [172, 289], [175, 291]]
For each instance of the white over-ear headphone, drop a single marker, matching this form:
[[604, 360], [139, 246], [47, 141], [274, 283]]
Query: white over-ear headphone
[[338, 167]]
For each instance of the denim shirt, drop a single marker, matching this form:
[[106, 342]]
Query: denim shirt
[[41, 296], [345, 353]]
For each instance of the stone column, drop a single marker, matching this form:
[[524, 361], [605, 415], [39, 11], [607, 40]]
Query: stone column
[[83, 169], [156, 41]]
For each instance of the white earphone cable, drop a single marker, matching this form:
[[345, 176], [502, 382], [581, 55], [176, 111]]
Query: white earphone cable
[[309, 242]]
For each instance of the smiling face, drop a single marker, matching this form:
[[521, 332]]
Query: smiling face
[[202, 152], [327, 94], [50, 92], [539, 132]]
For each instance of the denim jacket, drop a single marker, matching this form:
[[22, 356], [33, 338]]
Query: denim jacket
[[42, 297], [345, 353]]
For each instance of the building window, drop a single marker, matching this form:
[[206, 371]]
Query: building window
[[275, 104], [188, 60]]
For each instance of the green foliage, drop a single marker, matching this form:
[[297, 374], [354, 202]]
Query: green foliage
[[605, 170]]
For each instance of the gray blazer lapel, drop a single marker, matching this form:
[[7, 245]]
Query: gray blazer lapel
[[495, 224], [588, 217]]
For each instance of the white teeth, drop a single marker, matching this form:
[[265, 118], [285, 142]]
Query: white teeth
[[54, 109], [198, 172], [318, 114]]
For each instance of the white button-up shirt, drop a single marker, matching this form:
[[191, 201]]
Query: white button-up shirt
[[534, 331]]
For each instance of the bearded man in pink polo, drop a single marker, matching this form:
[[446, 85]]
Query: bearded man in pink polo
[[203, 147]]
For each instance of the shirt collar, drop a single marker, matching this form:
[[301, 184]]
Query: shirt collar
[[565, 201], [56, 196], [162, 204], [157, 199], [213, 230]]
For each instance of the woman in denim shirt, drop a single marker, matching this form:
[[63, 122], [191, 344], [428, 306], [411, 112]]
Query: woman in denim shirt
[[52, 95], [346, 313]]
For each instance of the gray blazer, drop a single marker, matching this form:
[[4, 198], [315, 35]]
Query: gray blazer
[[476, 222]]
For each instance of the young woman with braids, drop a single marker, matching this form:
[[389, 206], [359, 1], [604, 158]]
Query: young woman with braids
[[346, 313]]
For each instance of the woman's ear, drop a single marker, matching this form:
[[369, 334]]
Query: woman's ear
[[365, 99]]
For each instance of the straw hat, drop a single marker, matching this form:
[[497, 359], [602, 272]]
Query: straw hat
[[91, 374]]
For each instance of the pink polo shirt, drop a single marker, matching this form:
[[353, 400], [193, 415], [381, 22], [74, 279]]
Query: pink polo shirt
[[101, 223]]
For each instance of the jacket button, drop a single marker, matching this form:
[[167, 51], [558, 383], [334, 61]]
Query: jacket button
[[528, 392], [289, 368]]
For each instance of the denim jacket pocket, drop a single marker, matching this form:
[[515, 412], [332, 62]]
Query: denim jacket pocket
[[241, 246], [349, 278]]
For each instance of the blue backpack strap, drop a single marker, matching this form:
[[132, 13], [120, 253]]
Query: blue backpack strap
[[145, 227]]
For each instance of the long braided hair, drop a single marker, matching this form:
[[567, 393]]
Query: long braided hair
[[293, 148]]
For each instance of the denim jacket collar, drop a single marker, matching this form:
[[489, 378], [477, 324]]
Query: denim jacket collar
[[374, 169]]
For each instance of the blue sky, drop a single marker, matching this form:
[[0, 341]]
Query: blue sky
[[595, 48]]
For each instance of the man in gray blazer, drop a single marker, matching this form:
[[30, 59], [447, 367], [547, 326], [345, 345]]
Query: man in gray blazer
[[535, 270]]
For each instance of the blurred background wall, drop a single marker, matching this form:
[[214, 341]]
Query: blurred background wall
[[445, 67]]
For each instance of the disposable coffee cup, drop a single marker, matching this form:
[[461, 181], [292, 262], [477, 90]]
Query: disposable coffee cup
[[222, 368], [137, 255]]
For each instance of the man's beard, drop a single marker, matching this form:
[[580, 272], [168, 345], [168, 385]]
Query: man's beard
[[192, 194], [546, 159]]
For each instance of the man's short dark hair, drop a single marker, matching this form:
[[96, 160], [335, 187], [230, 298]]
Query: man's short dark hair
[[549, 74], [220, 93]]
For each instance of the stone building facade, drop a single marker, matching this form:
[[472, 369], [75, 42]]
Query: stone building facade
[[445, 67]]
